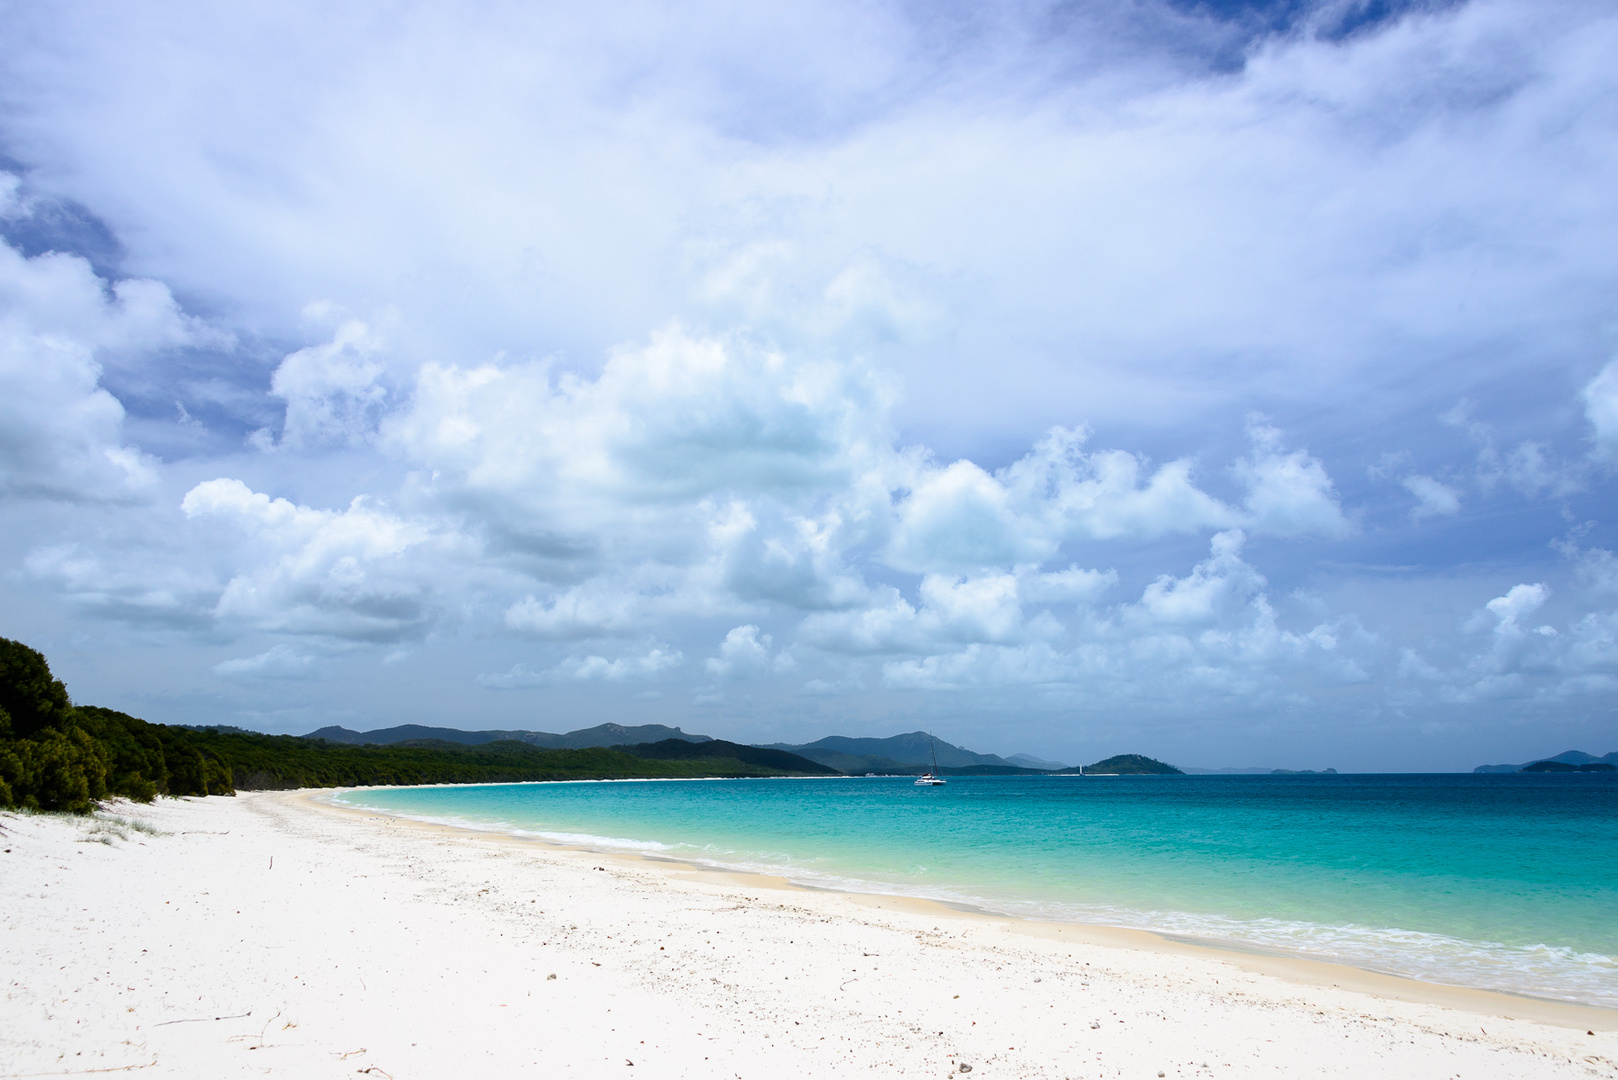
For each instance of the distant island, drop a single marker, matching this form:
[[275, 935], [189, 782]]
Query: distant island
[[1565, 762], [1562, 766], [1131, 765]]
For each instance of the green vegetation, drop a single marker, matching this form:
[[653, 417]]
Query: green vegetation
[[55, 755], [58, 756], [755, 759]]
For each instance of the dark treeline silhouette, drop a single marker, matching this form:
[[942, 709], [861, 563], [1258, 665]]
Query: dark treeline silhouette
[[55, 755]]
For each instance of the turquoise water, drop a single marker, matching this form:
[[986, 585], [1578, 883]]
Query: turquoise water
[[1501, 882]]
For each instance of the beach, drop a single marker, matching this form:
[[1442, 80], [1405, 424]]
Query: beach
[[275, 934]]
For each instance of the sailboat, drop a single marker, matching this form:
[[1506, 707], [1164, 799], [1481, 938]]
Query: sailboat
[[931, 777]]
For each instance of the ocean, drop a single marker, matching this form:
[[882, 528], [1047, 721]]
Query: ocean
[[1497, 882]]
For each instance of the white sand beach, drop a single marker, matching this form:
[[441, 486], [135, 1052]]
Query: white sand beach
[[270, 934]]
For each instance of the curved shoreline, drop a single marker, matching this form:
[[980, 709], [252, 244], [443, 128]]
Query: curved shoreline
[[1303, 971], [276, 934]]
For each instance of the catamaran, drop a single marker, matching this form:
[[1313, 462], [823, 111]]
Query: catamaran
[[931, 777]]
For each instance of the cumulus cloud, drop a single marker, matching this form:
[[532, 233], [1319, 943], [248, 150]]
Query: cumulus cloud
[[1211, 632], [1156, 193], [331, 390], [1288, 493], [1530, 468], [722, 327], [1216, 587], [746, 651], [591, 668], [620, 669], [593, 610], [1601, 410], [1517, 651], [362, 573], [1433, 497], [281, 662], [960, 517], [61, 432], [1518, 603], [1595, 568], [678, 419]]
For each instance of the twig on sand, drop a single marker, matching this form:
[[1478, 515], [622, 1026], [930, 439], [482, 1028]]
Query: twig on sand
[[80, 1072], [202, 1020]]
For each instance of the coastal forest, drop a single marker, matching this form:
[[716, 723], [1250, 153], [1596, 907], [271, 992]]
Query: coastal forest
[[55, 755]]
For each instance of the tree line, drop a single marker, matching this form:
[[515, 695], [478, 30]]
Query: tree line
[[55, 755]]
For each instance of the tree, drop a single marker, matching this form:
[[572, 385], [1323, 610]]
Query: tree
[[31, 700]]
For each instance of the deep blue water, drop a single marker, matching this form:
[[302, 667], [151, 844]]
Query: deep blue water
[[1506, 882]]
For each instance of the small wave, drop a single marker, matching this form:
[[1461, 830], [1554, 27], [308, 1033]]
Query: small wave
[[509, 828], [591, 840], [1544, 971]]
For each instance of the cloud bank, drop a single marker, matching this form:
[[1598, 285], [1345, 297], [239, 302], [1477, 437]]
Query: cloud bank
[[1222, 384]]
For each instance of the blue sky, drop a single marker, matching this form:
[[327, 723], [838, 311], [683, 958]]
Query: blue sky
[[1233, 383]]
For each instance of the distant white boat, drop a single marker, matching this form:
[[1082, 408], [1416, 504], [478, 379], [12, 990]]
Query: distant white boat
[[931, 778]]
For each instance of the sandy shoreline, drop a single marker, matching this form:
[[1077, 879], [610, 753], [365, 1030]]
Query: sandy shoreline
[[275, 934]]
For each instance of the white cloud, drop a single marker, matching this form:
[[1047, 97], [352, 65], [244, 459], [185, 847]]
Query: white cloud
[[281, 662], [962, 518], [591, 668], [161, 586], [1215, 588], [676, 420], [1515, 651], [888, 624], [1601, 409], [979, 666], [331, 391], [12, 203], [955, 609], [1434, 498], [1595, 568], [1070, 586], [362, 573], [645, 666], [1212, 632], [593, 610], [1098, 190], [882, 270], [61, 432], [1530, 468], [1518, 603], [1288, 494], [745, 651]]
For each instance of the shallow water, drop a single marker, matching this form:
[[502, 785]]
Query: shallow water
[[1500, 882]]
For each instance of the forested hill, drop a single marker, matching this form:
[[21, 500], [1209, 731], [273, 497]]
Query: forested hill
[[583, 739], [55, 755]]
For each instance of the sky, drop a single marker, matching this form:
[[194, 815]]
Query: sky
[[1234, 383]]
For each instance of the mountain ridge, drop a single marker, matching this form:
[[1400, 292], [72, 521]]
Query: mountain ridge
[[582, 739], [896, 753], [1566, 757]]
